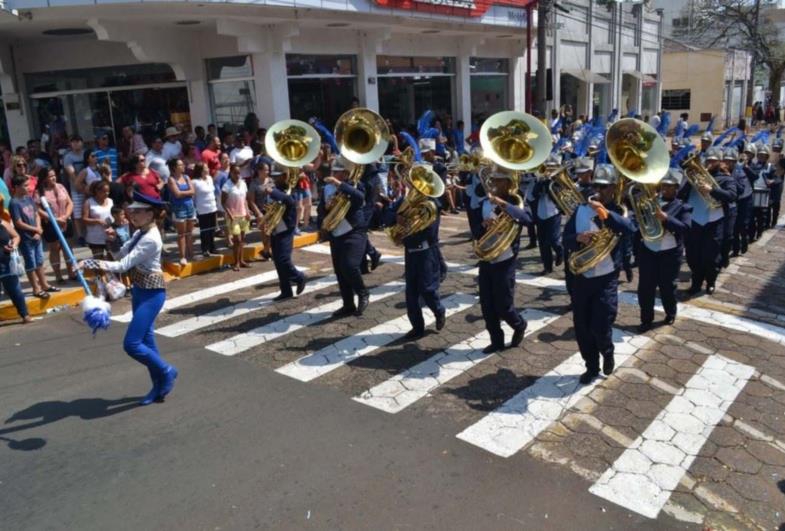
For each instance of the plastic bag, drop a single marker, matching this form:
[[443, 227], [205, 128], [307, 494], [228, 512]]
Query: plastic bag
[[16, 265]]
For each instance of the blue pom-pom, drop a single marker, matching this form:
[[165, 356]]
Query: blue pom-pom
[[96, 313]]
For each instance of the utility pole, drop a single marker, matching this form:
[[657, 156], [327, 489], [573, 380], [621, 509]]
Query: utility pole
[[753, 62], [543, 11]]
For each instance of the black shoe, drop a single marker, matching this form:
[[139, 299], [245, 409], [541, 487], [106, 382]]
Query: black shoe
[[300, 285], [375, 259], [493, 347], [442, 277], [364, 268], [725, 263], [608, 364], [710, 289], [282, 297], [628, 274], [558, 260], [669, 319], [734, 254], [362, 304], [413, 334], [694, 289], [644, 327], [588, 376], [441, 319], [546, 272], [344, 311], [531, 246], [517, 336]]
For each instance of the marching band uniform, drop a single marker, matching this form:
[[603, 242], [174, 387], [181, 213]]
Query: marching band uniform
[[705, 236], [659, 261], [760, 171], [422, 273], [373, 191], [584, 172], [743, 201], [347, 245], [140, 257], [548, 220], [282, 243], [776, 195], [472, 199], [594, 296], [525, 191], [497, 280]]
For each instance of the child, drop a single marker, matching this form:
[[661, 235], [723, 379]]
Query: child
[[122, 232], [24, 214]]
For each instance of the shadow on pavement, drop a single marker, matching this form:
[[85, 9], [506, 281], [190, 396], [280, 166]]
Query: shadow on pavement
[[44, 413]]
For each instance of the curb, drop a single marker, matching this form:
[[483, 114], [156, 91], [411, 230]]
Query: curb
[[172, 271]]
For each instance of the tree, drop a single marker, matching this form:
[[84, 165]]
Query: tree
[[744, 24]]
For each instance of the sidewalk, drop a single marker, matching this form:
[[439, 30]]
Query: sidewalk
[[72, 292]]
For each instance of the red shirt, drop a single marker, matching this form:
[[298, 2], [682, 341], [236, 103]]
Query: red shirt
[[212, 159], [146, 184]]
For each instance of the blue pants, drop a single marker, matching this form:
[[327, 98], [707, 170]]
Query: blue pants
[[728, 226], [657, 270], [703, 252], [13, 288], [742, 226], [281, 245], [139, 340], [422, 281], [549, 239], [594, 306], [475, 221], [347, 252], [774, 208], [497, 298]]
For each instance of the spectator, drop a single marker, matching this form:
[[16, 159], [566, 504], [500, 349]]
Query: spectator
[[181, 190], [201, 140], [73, 163], [62, 207], [37, 159], [206, 208], [8, 164], [19, 169], [190, 157], [131, 144], [156, 160], [10, 240], [211, 155], [143, 179], [234, 197], [106, 154], [242, 155], [257, 200], [172, 148], [97, 217], [27, 222], [221, 176], [212, 132], [90, 173]]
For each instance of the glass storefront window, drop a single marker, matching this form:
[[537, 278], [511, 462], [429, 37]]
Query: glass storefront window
[[231, 102], [94, 78], [489, 86], [404, 99], [485, 65], [601, 99], [236, 67], [388, 64], [311, 65]]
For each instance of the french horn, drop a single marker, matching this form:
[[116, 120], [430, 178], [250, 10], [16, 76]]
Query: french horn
[[292, 144]]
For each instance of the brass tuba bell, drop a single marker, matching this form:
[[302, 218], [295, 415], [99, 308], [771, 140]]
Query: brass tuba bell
[[292, 144], [640, 155], [362, 137], [416, 209]]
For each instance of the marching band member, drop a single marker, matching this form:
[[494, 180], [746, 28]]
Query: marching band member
[[743, 202], [347, 242], [705, 236], [497, 277], [659, 261], [421, 271], [428, 151], [525, 190], [373, 191], [548, 220], [776, 185], [472, 201], [141, 258], [706, 140], [594, 295], [761, 170], [282, 239], [584, 171]]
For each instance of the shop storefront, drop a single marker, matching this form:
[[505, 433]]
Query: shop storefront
[[490, 86], [4, 137], [409, 86], [89, 102], [321, 86], [231, 87]]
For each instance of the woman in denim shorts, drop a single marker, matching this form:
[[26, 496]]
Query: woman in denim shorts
[[181, 190]]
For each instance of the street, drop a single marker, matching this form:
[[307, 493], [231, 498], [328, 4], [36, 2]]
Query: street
[[284, 418]]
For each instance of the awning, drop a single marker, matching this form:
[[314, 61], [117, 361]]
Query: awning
[[634, 74], [587, 76]]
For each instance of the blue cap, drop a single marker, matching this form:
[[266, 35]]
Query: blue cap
[[145, 201]]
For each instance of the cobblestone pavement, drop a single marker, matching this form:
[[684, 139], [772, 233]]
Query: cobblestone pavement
[[690, 426]]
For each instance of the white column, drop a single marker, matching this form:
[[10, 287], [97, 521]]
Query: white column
[[463, 88], [271, 86], [518, 82], [367, 82], [555, 63], [616, 77]]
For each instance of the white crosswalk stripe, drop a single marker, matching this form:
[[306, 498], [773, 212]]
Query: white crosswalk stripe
[[247, 340], [644, 476], [207, 293], [453, 267], [406, 388], [236, 310], [338, 354], [523, 417]]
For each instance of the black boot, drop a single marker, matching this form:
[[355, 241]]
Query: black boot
[[362, 304]]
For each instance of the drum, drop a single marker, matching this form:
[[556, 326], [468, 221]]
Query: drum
[[760, 198]]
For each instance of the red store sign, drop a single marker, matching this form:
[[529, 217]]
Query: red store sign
[[459, 8]]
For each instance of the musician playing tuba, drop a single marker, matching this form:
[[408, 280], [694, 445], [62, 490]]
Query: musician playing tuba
[[515, 142]]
